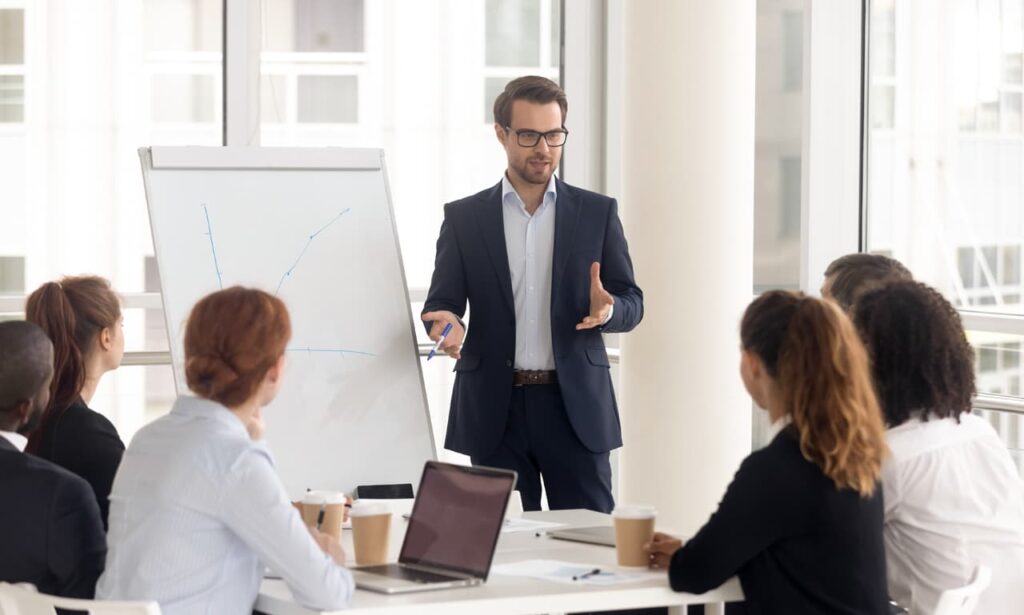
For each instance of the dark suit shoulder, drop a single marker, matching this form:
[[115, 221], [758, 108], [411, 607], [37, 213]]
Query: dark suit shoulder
[[465, 204], [41, 473]]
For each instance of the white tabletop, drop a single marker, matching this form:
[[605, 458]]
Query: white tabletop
[[513, 595]]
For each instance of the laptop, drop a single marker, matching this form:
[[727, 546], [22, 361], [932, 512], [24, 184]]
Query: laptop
[[452, 533], [601, 535]]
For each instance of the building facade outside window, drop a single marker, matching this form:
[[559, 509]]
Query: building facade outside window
[[946, 165]]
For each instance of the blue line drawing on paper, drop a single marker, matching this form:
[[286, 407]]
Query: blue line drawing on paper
[[288, 273], [213, 249], [341, 351]]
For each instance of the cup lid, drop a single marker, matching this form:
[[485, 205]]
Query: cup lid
[[368, 509], [323, 497], [634, 511]]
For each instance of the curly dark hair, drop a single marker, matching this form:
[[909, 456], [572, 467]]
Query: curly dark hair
[[921, 360], [855, 274]]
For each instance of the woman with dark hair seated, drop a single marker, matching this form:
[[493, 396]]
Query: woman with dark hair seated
[[953, 498], [801, 522]]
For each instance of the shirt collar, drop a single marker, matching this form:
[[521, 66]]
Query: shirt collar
[[19, 441], [197, 407], [507, 189]]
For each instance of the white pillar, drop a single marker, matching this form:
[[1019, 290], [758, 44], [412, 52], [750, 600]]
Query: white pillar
[[688, 186]]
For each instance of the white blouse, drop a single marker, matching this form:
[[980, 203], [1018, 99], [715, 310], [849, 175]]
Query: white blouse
[[953, 500], [197, 511]]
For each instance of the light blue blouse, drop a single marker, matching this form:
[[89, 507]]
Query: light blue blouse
[[197, 511]]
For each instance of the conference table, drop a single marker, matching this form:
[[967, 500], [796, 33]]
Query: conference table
[[513, 595]]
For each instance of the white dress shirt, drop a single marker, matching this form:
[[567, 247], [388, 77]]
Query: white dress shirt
[[953, 500], [19, 441], [197, 511], [530, 243]]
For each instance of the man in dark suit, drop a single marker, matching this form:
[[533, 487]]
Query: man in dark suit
[[50, 529], [545, 269]]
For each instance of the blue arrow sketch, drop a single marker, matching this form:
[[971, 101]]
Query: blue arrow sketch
[[340, 351], [213, 248], [288, 273]]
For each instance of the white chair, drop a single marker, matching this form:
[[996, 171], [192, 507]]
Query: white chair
[[963, 600], [22, 599]]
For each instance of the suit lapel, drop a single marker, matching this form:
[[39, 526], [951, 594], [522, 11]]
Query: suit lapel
[[567, 212], [492, 229]]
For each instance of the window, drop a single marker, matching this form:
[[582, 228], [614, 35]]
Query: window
[[521, 38], [313, 66], [883, 64], [778, 125], [12, 66], [139, 73], [12, 275], [944, 185]]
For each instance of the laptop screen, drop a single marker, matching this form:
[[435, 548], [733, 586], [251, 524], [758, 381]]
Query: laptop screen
[[457, 518]]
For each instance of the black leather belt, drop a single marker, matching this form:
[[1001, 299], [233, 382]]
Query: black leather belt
[[522, 377]]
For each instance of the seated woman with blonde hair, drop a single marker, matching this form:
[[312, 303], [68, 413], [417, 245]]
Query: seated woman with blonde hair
[[197, 510], [801, 522]]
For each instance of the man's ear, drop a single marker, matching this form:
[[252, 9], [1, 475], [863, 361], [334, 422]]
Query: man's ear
[[500, 133], [22, 411]]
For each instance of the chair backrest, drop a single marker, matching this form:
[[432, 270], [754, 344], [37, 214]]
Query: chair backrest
[[963, 600], [22, 599]]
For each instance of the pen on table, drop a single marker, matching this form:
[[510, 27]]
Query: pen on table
[[437, 346], [579, 577]]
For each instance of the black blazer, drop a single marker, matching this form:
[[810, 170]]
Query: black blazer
[[798, 544], [86, 443], [472, 265], [50, 530]]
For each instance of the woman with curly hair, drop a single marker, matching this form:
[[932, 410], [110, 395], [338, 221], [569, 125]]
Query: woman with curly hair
[[801, 522], [953, 498]]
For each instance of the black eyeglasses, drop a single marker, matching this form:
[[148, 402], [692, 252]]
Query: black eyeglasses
[[530, 138]]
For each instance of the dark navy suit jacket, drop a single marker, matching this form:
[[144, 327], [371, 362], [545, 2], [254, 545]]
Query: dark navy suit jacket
[[50, 530], [472, 265]]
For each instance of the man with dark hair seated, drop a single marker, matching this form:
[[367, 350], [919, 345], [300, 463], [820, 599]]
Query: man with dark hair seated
[[50, 530], [852, 275], [953, 498]]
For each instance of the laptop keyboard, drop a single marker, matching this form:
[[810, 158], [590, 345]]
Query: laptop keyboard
[[396, 571]]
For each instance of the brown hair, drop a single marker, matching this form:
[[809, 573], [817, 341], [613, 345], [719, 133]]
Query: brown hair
[[820, 367], [72, 312], [233, 337], [922, 363], [855, 274], [534, 89]]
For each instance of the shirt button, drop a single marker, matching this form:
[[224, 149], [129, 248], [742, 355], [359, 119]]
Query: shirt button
[[508, 363]]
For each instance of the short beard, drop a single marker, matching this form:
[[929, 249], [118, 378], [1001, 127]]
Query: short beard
[[524, 173]]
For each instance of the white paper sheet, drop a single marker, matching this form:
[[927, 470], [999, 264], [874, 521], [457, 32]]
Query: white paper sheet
[[574, 573]]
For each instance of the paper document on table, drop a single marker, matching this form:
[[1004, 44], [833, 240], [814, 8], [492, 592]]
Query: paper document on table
[[572, 573], [518, 524]]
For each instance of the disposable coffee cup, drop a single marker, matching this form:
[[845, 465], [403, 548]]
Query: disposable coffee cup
[[371, 529], [634, 527], [333, 505]]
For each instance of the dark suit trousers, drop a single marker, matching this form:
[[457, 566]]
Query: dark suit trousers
[[539, 444]]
